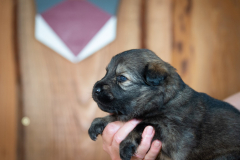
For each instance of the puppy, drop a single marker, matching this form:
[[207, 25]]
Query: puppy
[[190, 125]]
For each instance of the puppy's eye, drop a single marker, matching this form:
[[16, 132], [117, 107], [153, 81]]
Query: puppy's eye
[[121, 78]]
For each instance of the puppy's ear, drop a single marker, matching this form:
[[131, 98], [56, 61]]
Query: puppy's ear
[[154, 74]]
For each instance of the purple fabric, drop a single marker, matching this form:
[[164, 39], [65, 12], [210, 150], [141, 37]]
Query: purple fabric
[[76, 22]]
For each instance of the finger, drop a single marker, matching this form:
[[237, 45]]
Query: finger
[[145, 144], [109, 132], [123, 132], [154, 150], [234, 100]]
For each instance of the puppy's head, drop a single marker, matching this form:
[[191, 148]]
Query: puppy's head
[[137, 82]]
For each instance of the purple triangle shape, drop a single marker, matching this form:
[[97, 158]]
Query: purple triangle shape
[[76, 22]]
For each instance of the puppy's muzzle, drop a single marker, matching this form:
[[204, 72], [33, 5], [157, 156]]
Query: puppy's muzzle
[[102, 93]]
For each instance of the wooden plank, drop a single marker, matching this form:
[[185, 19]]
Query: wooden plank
[[182, 59], [57, 93], [7, 83], [207, 45], [158, 23]]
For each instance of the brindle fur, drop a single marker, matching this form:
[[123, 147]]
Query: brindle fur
[[190, 125]]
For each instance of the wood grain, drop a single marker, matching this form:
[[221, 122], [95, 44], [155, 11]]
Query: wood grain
[[158, 28], [206, 45], [57, 93], [200, 38], [182, 57], [8, 102]]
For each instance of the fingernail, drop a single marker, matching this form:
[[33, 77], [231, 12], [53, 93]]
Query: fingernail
[[149, 130], [157, 144], [134, 121]]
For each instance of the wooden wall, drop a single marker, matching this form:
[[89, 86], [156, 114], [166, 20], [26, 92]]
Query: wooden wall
[[8, 100], [206, 45], [57, 93], [200, 38]]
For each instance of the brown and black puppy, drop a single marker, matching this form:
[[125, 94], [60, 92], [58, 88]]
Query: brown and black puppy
[[190, 125]]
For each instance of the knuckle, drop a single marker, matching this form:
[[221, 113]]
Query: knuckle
[[146, 142], [154, 151], [111, 128], [118, 139], [138, 156]]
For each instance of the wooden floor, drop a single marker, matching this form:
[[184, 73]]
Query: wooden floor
[[200, 38]]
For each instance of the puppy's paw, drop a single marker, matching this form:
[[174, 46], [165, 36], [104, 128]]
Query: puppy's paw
[[96, 128], [127, 149]]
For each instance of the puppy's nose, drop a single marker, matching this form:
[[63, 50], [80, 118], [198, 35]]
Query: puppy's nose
[[98, 90]]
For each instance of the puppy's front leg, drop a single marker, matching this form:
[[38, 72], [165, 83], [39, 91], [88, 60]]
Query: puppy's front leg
[[130, 144], [98, 126]]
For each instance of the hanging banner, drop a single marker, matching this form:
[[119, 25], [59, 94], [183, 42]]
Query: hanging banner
[[76, 28]]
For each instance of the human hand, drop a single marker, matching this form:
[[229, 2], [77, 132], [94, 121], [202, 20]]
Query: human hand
[[234, 100], [115, 132]]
